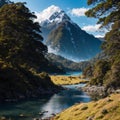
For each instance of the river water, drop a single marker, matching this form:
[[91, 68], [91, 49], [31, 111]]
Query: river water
[[49, 105], [73, 73]]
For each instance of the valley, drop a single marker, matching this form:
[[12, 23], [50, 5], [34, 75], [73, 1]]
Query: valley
[[59, 60], [47, 105]]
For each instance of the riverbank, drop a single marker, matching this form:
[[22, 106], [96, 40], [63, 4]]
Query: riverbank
[[98, 92], [104, 109], [36, 86], [67, 80], [44, 107]]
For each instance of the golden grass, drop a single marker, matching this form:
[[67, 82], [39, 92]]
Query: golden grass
[[104, 109], [67, 80]]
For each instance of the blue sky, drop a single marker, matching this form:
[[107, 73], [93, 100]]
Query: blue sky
[[74, 8]]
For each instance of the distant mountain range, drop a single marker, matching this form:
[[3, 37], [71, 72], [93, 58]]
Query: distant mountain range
[[66, 64], [69, 65], [67, 39]]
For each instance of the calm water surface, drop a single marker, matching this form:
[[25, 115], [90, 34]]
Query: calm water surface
[[49, 104], [73, 73]]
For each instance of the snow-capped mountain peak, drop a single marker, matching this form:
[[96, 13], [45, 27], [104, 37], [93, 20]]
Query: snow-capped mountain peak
[[52, 14], [58, 17], [66, 38]]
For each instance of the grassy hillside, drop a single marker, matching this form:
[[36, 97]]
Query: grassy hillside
[[65, 80], [104, 109]]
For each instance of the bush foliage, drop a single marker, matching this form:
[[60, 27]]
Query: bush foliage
[[107, 72]]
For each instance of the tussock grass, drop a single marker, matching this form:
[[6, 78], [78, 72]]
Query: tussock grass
[[67, 80], [95, 110]]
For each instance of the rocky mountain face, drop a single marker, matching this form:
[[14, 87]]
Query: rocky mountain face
[[67, 39], [53, 22]]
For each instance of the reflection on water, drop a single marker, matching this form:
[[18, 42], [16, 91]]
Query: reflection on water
[[48, 105], [65, 99]]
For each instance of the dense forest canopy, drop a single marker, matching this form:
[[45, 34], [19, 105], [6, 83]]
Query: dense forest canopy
[[107, 12], [17, 26], [22, 54]]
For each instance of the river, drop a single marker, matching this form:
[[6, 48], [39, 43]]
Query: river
[[49, 105], [73, 73]]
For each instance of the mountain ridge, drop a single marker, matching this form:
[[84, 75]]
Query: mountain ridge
[[66, 38]]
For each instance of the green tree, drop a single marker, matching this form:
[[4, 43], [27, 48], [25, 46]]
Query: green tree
[[100, 69], [107, 12], [88, 71], [22, 55], [3, 2], [19, 34]]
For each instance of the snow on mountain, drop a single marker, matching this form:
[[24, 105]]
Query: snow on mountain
[[46, 13], [64, 37], [59, 17], [51, 14]]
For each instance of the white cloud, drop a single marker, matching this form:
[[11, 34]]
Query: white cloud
[[46, 13], [99, 36], [78, 11], [91, 28]]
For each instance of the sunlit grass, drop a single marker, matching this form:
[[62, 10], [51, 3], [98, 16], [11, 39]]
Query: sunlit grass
[[63, 80], [104, 109]]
